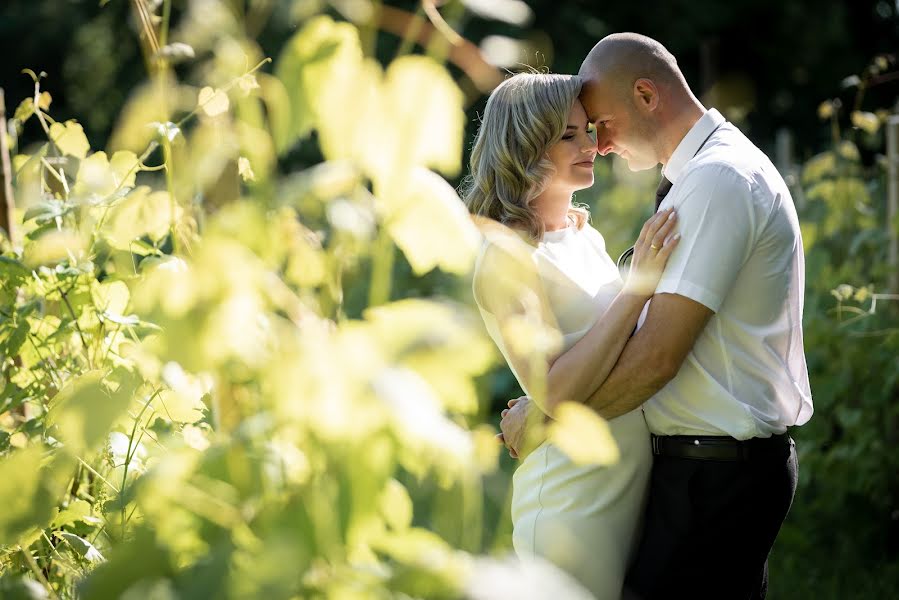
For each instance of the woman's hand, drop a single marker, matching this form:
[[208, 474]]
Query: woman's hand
[[651, 251]]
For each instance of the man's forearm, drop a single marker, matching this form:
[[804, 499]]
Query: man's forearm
[[637, 375]]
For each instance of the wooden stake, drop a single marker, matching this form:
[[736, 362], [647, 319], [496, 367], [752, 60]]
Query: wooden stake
[[7, 201]]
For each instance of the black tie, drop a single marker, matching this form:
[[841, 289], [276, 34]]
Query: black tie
[[661, 192]]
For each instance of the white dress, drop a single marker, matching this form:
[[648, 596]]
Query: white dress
[[583, 519]]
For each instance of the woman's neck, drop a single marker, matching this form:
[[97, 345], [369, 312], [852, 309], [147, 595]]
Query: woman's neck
[[552, 206]]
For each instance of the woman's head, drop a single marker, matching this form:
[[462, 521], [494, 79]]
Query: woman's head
[[525, 145]]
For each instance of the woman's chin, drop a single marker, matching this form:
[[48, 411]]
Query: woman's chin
[[587, 183]]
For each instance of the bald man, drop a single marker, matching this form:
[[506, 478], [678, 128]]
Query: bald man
[[717, 362]]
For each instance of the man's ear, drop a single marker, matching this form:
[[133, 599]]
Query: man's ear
[[646, 94]]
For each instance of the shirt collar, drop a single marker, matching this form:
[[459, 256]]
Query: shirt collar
[[691, 143]]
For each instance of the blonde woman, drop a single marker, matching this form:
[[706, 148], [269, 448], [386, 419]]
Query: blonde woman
[[534, 149]]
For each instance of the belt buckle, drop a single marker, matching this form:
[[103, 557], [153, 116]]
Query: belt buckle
[[654, 439]]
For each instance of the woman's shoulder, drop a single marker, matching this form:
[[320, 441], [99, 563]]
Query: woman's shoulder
[[592, 235]]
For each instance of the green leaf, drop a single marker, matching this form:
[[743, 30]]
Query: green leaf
[[26, 502], [99, 176], [581, 434], [110, 296], [70, 139], [24, 110], [82, 547], [16, 338], [78, 510], [46, 211], [322, 52], [179, 407], [428, 221], [85, 409], [396, 505], [213, 102], [141, 213], [12, 271]]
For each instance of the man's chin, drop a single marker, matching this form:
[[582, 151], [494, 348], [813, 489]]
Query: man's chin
[[635, 166]]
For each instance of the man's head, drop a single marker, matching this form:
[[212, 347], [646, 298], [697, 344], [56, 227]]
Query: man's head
[[635, 93]]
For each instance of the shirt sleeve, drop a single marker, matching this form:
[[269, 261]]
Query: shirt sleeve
[[717, 224]]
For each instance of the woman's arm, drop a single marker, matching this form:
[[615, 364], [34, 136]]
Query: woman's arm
[[579, 372]]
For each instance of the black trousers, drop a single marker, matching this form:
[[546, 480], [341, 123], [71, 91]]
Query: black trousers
[[711, 524]]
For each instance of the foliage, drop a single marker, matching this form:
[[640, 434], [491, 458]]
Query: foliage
[[841, 539], [189, 408]]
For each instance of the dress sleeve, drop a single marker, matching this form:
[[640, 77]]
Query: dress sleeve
[[510, 296]]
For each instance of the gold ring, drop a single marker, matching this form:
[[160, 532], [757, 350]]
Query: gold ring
[[654, 247]]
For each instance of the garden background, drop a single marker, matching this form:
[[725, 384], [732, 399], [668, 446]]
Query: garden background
[[239, 356]]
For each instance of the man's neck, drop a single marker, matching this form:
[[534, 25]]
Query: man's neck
[[678, 128]]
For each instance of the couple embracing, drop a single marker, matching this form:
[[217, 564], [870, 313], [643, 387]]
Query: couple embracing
[[691, 347]]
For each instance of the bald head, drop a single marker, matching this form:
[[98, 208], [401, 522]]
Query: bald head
[[620, 59]]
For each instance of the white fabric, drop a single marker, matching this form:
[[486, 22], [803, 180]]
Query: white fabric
[[741, 256], [583, 519]]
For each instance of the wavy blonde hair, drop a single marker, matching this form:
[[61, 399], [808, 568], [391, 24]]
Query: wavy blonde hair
[[509, 167]]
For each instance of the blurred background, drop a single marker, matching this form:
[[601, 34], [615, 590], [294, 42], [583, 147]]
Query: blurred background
[[811, 82]]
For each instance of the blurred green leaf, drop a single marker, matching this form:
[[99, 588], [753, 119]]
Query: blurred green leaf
[[27, 502], [70, 139]]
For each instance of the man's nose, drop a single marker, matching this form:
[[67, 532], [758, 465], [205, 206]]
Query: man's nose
[[603, 144]]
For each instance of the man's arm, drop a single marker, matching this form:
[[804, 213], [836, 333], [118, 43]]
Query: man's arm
[[653, 356]]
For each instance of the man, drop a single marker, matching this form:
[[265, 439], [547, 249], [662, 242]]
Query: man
[[718, 362]]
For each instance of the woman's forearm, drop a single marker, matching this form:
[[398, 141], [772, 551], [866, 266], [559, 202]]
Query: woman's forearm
[[580, 371]]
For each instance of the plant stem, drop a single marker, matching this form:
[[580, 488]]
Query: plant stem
[[170, 185], [87, 355], [382, 269], [37, 572]]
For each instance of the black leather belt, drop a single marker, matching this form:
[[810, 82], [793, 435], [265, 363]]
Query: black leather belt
[[706, 447]]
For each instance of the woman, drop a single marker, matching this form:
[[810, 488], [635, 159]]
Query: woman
[[534, 149]]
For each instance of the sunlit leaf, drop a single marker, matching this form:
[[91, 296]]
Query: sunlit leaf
[[213, 102], [25, 502], [147, 107], [581, 434], [515, 12], [396, 505], [69, 138], [101, 177], [179, 407], [54, 246], [78, 510], [24, 110], [425, 120], [83, 547], [317, 67], [110, 296], [177, 52], [248, 83], [245, 170], [86, 408], [866, 121], [141, 213], [431, 225]]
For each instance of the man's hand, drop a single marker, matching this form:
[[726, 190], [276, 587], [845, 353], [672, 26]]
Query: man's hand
[[514, 424]]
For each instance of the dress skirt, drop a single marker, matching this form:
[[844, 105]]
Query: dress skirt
[[585, 519]]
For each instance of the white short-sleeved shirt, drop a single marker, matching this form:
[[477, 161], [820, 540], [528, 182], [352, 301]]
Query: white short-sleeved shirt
[[741, 256]]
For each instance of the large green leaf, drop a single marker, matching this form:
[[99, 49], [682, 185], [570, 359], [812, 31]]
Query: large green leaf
[[70, 139], [26, 501], [85, 410], [308, 66]]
